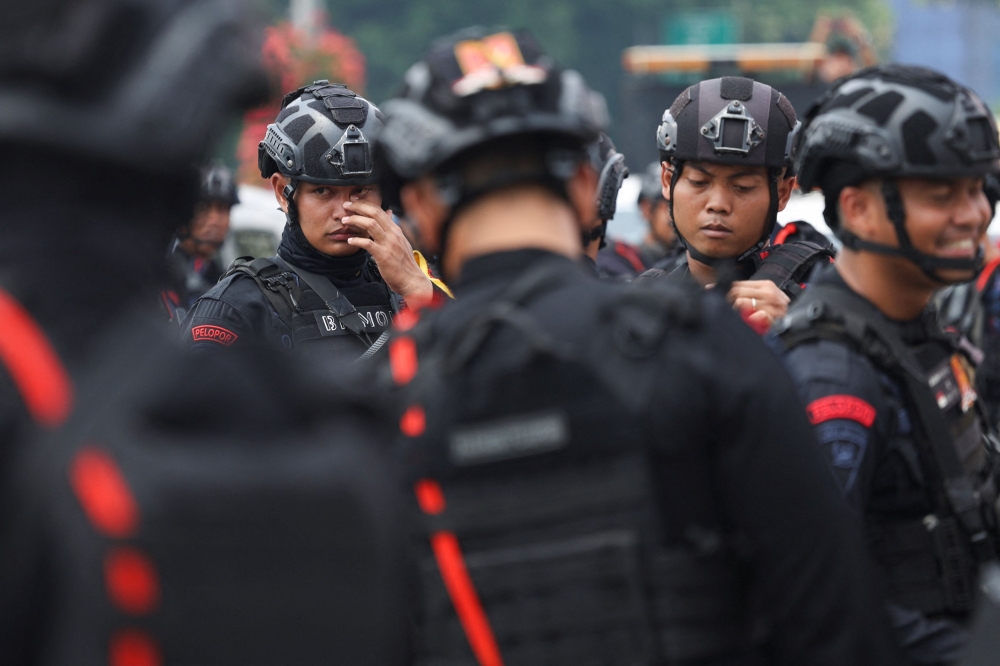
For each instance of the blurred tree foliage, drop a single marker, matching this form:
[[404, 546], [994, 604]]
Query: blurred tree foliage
[[588, 35]]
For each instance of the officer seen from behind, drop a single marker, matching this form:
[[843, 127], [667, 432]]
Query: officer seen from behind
[[343, 267], [901, 154], [607, 475], [724, 144]]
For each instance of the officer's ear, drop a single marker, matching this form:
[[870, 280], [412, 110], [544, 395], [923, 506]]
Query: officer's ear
[[785, 187], [666, 175], [581, 188], [424, 207], [862, 212], [278, 183]]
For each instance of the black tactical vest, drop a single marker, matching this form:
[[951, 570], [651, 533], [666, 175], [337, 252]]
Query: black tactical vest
[[539, 495], [308, 319], [931, 561]]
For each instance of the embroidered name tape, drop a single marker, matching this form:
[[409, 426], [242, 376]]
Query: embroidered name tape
[[207, 333], [373, 320], [848, 407], [525, 435]]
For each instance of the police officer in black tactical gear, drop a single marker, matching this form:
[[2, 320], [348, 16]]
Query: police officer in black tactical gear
[[193, 260], [900, 154], [343, 267], [610, 165], [660, 248], [607, 475], [177, 508], [724, 145]]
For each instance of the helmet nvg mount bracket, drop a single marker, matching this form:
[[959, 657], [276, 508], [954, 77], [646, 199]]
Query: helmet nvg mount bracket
[[894, 121]]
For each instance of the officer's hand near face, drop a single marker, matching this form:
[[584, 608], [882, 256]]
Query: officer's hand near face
[[392, 252], [763, 297]]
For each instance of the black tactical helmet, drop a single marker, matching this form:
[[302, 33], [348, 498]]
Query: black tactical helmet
[[732, 120], [217, 185], [475, 87], [322, 135], [141, 83], [610, 164], [652, 183], [893, 121]]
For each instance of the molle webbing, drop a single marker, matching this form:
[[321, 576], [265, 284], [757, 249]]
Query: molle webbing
[[568, 568]]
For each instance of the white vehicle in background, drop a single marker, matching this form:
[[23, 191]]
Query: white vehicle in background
[[255, 225]]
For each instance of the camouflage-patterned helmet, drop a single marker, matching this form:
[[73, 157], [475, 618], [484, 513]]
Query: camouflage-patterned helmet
[[895, 121], [322, 135]]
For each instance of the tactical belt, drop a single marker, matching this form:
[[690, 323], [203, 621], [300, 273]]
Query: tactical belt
[[828, 312]]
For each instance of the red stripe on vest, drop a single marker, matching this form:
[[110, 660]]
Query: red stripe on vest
[[629, 255], [33, 365], [131, 580], [133, 647], [454, 573], [785, 232], [463, 595], [987, 273], [841, 407], [103, 493]]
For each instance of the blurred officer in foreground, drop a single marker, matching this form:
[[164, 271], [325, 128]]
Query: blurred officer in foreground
[[611, 169], [724, 145], [182, 510], [343, 267], [194, 263], [900, 154], [608, 475]]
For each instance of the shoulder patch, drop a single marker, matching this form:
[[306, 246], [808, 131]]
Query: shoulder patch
[[208, 333], [841, 407]]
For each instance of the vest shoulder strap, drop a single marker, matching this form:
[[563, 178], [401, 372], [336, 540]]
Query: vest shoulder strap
[[788, 264], [33, 365], [279, 286]]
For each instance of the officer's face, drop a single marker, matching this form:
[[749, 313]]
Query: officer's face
[[945, 218], [722, 209], [208, 229], [321, 213], [659, 222]]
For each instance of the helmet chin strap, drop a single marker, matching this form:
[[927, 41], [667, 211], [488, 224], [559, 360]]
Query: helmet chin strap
[[929, 264], [598, 232], [728, 262], [289, 193]]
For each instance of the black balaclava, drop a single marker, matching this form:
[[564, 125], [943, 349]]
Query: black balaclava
[[342, 271]]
